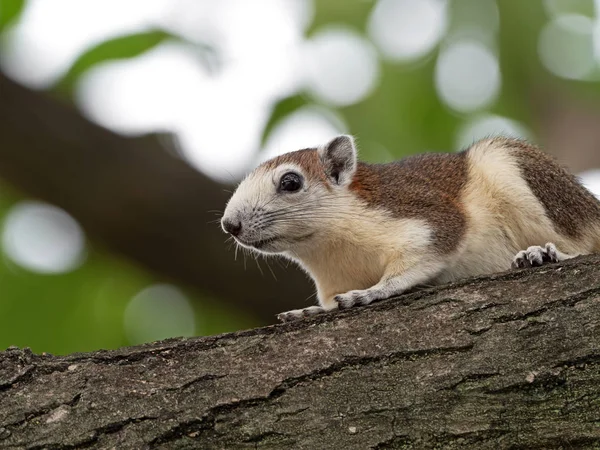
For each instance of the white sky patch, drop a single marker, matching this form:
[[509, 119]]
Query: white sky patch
[[221, 140], [260, 38], [218, 118], [341, 66], [43, 238], [307, 127], [467, 76], [51, 34], [153, 91], [567, 46], [241, 29], [407, 29], [168, 89]]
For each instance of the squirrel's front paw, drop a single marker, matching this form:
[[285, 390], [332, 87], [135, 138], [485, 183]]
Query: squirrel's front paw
[[296, 314], [353, 298]]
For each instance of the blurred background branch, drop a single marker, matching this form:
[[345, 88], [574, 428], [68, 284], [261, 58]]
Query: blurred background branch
[[134, 196], [122, 133]]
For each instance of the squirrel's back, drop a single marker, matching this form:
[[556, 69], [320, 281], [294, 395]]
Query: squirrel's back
[[500, 195], [427, 186]]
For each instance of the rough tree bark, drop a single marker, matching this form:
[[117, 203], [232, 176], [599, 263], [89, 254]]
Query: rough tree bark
[[136, 196], [506, 361]]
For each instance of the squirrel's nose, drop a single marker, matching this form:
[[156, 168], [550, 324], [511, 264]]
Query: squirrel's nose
[[232, 227]]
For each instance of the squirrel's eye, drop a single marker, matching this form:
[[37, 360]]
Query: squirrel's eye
[[290, 182]]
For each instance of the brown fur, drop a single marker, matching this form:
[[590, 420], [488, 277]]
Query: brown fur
[[306, 158], [570, 206], [424, 187]]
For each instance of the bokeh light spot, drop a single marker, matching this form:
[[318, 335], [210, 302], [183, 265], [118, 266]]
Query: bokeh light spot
[[591, 180], [407, 29], [341, 66], [158, 312], [489, 125], [467, 76], [560, 7], [43, 238], [566, 46]]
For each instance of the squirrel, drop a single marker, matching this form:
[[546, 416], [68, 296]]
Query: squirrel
[[366, 232]]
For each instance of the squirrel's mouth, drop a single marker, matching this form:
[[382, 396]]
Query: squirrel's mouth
[[260, 244], [257, 244]]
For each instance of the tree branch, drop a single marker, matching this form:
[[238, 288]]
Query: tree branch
[[506, 361], [136, 196]]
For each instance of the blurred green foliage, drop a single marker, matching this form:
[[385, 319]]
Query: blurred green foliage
[[84, 309], [122, 47], [9, 11]]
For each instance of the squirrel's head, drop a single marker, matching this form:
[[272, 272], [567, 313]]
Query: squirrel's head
[[286, 201]]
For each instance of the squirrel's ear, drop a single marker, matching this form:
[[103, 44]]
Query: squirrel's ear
[[338, 157]]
